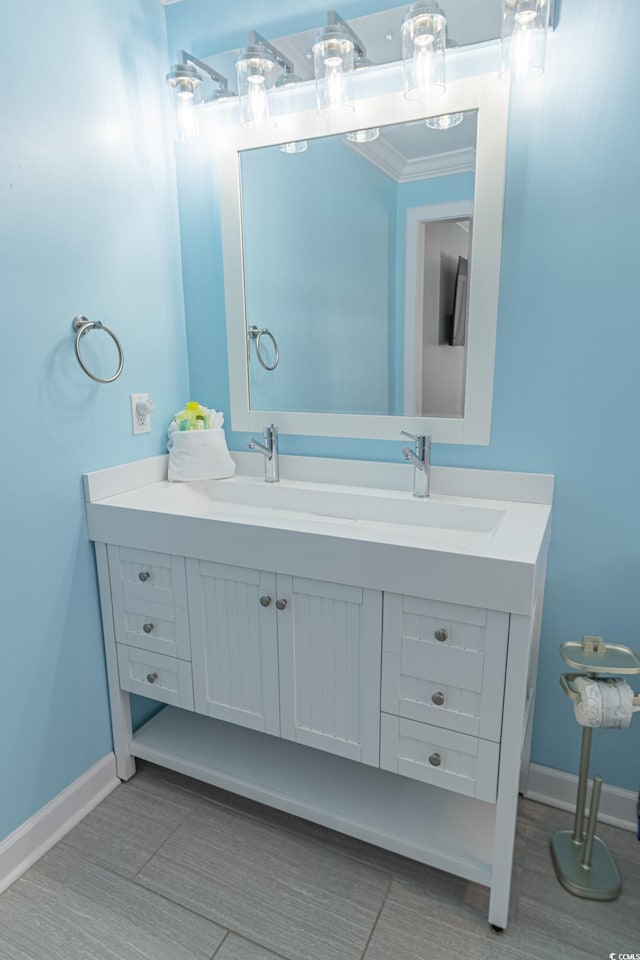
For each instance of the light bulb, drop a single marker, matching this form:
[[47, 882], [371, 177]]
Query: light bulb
[[523, 43], [333, 59], [424, 40], [334, 78], [524, 38], [423, 60], [257, 96], [186, 119]]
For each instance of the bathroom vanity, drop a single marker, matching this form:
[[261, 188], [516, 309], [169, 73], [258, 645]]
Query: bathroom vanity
[[332, 646]]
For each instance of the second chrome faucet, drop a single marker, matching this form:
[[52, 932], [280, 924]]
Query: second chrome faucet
[[420, 457], [269, 449]]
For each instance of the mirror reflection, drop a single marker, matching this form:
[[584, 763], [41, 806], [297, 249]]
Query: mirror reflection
[[356, 260]]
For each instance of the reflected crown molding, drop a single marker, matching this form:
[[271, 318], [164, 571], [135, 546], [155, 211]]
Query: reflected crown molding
[[402, 169]]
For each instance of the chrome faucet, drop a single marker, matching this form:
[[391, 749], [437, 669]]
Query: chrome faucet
[[269, 449], [420, 457]]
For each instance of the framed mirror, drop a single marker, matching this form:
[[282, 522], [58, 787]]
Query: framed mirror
[[362, 270]]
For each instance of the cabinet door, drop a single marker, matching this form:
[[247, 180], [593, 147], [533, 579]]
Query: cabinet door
[[329, 638], [234, 644]]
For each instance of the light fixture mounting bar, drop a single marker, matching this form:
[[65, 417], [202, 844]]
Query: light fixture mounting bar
[[333, 17], [281, 60], [185, 57]]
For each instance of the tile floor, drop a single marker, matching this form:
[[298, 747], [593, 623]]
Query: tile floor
[[167, 868]]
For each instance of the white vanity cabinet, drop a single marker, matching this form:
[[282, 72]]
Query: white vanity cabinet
[[288, 656], [373, 677], [329, 637], [234, 644]]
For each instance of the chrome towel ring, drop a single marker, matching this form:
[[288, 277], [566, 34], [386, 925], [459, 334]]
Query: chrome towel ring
[[255, 333], [81, 326]]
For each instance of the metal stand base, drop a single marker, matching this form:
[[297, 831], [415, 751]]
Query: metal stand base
[[600, 881]]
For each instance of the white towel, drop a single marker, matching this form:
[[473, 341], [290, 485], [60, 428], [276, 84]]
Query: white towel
[[604, 703], [199, 455]]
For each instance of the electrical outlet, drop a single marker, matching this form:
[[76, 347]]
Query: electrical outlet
[[140, 422]]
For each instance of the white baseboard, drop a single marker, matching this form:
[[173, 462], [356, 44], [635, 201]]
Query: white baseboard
[[558, 789], [39, 833]]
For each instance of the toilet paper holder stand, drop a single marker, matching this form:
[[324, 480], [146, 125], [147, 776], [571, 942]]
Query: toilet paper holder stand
[[583, 863]]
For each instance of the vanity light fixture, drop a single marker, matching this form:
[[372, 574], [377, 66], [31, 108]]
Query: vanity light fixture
[[185, 83], [525, 24], [256, 69], [424, 38], [334, 53], [445, 121]]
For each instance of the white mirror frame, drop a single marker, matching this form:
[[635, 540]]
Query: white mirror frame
[[490, 97]]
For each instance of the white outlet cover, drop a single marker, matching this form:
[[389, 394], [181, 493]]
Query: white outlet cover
[[140, 423]]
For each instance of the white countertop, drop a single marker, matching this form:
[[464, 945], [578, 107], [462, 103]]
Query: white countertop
[[476, 550]]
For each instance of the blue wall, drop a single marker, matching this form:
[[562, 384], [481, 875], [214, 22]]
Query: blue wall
[[89, 225], [566, 397]]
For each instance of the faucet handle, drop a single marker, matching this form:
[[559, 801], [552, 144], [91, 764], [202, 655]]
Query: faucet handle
[[419, 438]]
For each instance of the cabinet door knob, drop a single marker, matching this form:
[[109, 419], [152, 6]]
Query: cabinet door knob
[[281, 604], [265, 601], [438, 698], [152, 677], [435, 760], [144, 575], [147, 627], [441, 634]]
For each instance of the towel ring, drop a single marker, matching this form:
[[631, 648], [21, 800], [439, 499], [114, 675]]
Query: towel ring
[[81, 325], [255, 333]]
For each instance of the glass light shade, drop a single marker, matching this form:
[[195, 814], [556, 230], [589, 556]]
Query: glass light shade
[[296, 146], [525, 25], [424, 38], [364, 136], [333, 62], [256, 71], [445, 121], [185, 92]]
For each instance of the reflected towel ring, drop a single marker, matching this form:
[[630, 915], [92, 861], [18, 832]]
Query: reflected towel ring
[[255, 333], [81, 325]]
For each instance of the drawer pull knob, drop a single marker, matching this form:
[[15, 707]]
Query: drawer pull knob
[[441, 634], [281, 604], [438, 698], [144, 575], [147, 627], [435, 760], [152, 677], [265, 601]]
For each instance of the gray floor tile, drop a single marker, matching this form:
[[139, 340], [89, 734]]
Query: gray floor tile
[[69, 908], [463, 907], [237, 948], [131, 824], [596, 928], [403, 933], [279, 889]]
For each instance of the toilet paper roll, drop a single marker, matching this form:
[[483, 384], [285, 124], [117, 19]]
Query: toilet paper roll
[[604, 703]]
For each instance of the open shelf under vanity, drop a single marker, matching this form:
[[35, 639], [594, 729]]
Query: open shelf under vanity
[[426, 823]]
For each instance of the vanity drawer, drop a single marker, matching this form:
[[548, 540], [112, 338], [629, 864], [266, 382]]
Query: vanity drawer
[[464, 638], [446, 759], [152, 675], [433, 692], [152, 626], [146, 575]]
